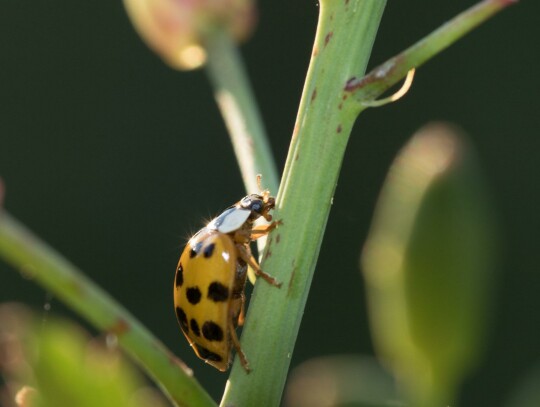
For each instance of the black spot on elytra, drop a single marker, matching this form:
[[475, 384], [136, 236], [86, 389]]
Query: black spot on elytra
[[193, 295], [212, 331], [195, 250], [206, 354], [179, 279], [208, 250], [182, 319], [195, 327], [218, 292]]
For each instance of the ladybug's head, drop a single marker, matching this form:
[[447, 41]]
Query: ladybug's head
[[259, 205]]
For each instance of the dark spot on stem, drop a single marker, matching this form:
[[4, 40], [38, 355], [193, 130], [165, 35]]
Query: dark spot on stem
[[293, 274], [120, 327], [328, 38], [268, 248], [351, 84]]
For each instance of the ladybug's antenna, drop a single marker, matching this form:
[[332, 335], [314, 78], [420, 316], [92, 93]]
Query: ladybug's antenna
[[265, 193]]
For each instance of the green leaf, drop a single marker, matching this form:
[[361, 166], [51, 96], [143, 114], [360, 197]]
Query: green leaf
[[63, 366], [428, 265]]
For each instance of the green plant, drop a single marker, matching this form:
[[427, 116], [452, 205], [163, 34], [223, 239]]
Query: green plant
[[333, 97]]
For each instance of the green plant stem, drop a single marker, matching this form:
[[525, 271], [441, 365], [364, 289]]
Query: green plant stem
[[392, 71], [239, 110], [36, 260], [328, 109], [345, 34]]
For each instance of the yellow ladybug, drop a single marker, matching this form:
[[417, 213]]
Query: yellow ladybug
[[211, 276]]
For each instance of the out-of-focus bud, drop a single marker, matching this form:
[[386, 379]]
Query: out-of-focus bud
[[177, 29], [429, 266], [26, 397], [341, 380]]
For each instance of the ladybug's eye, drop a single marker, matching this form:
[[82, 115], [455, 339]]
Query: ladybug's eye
[[257, 206], [253, 203]]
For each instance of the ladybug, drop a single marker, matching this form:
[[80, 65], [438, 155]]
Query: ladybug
[[211, 276]]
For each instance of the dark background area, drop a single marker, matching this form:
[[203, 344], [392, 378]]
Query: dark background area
[[114, 159]]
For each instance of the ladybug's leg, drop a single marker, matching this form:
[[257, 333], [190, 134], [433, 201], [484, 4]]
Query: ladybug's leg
[[247, 235], [242, 313], [263, 230], [245, 254], [236, 344]]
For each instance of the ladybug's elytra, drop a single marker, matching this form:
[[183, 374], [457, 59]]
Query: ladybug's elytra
[[211, 276]]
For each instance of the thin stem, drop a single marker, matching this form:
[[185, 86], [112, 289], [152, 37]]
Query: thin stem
[[35, 259], [392, 71], [328, 110], [345, 34], [237, 104]]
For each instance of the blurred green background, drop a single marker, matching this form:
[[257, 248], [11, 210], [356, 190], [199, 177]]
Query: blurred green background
[[115, 159]]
